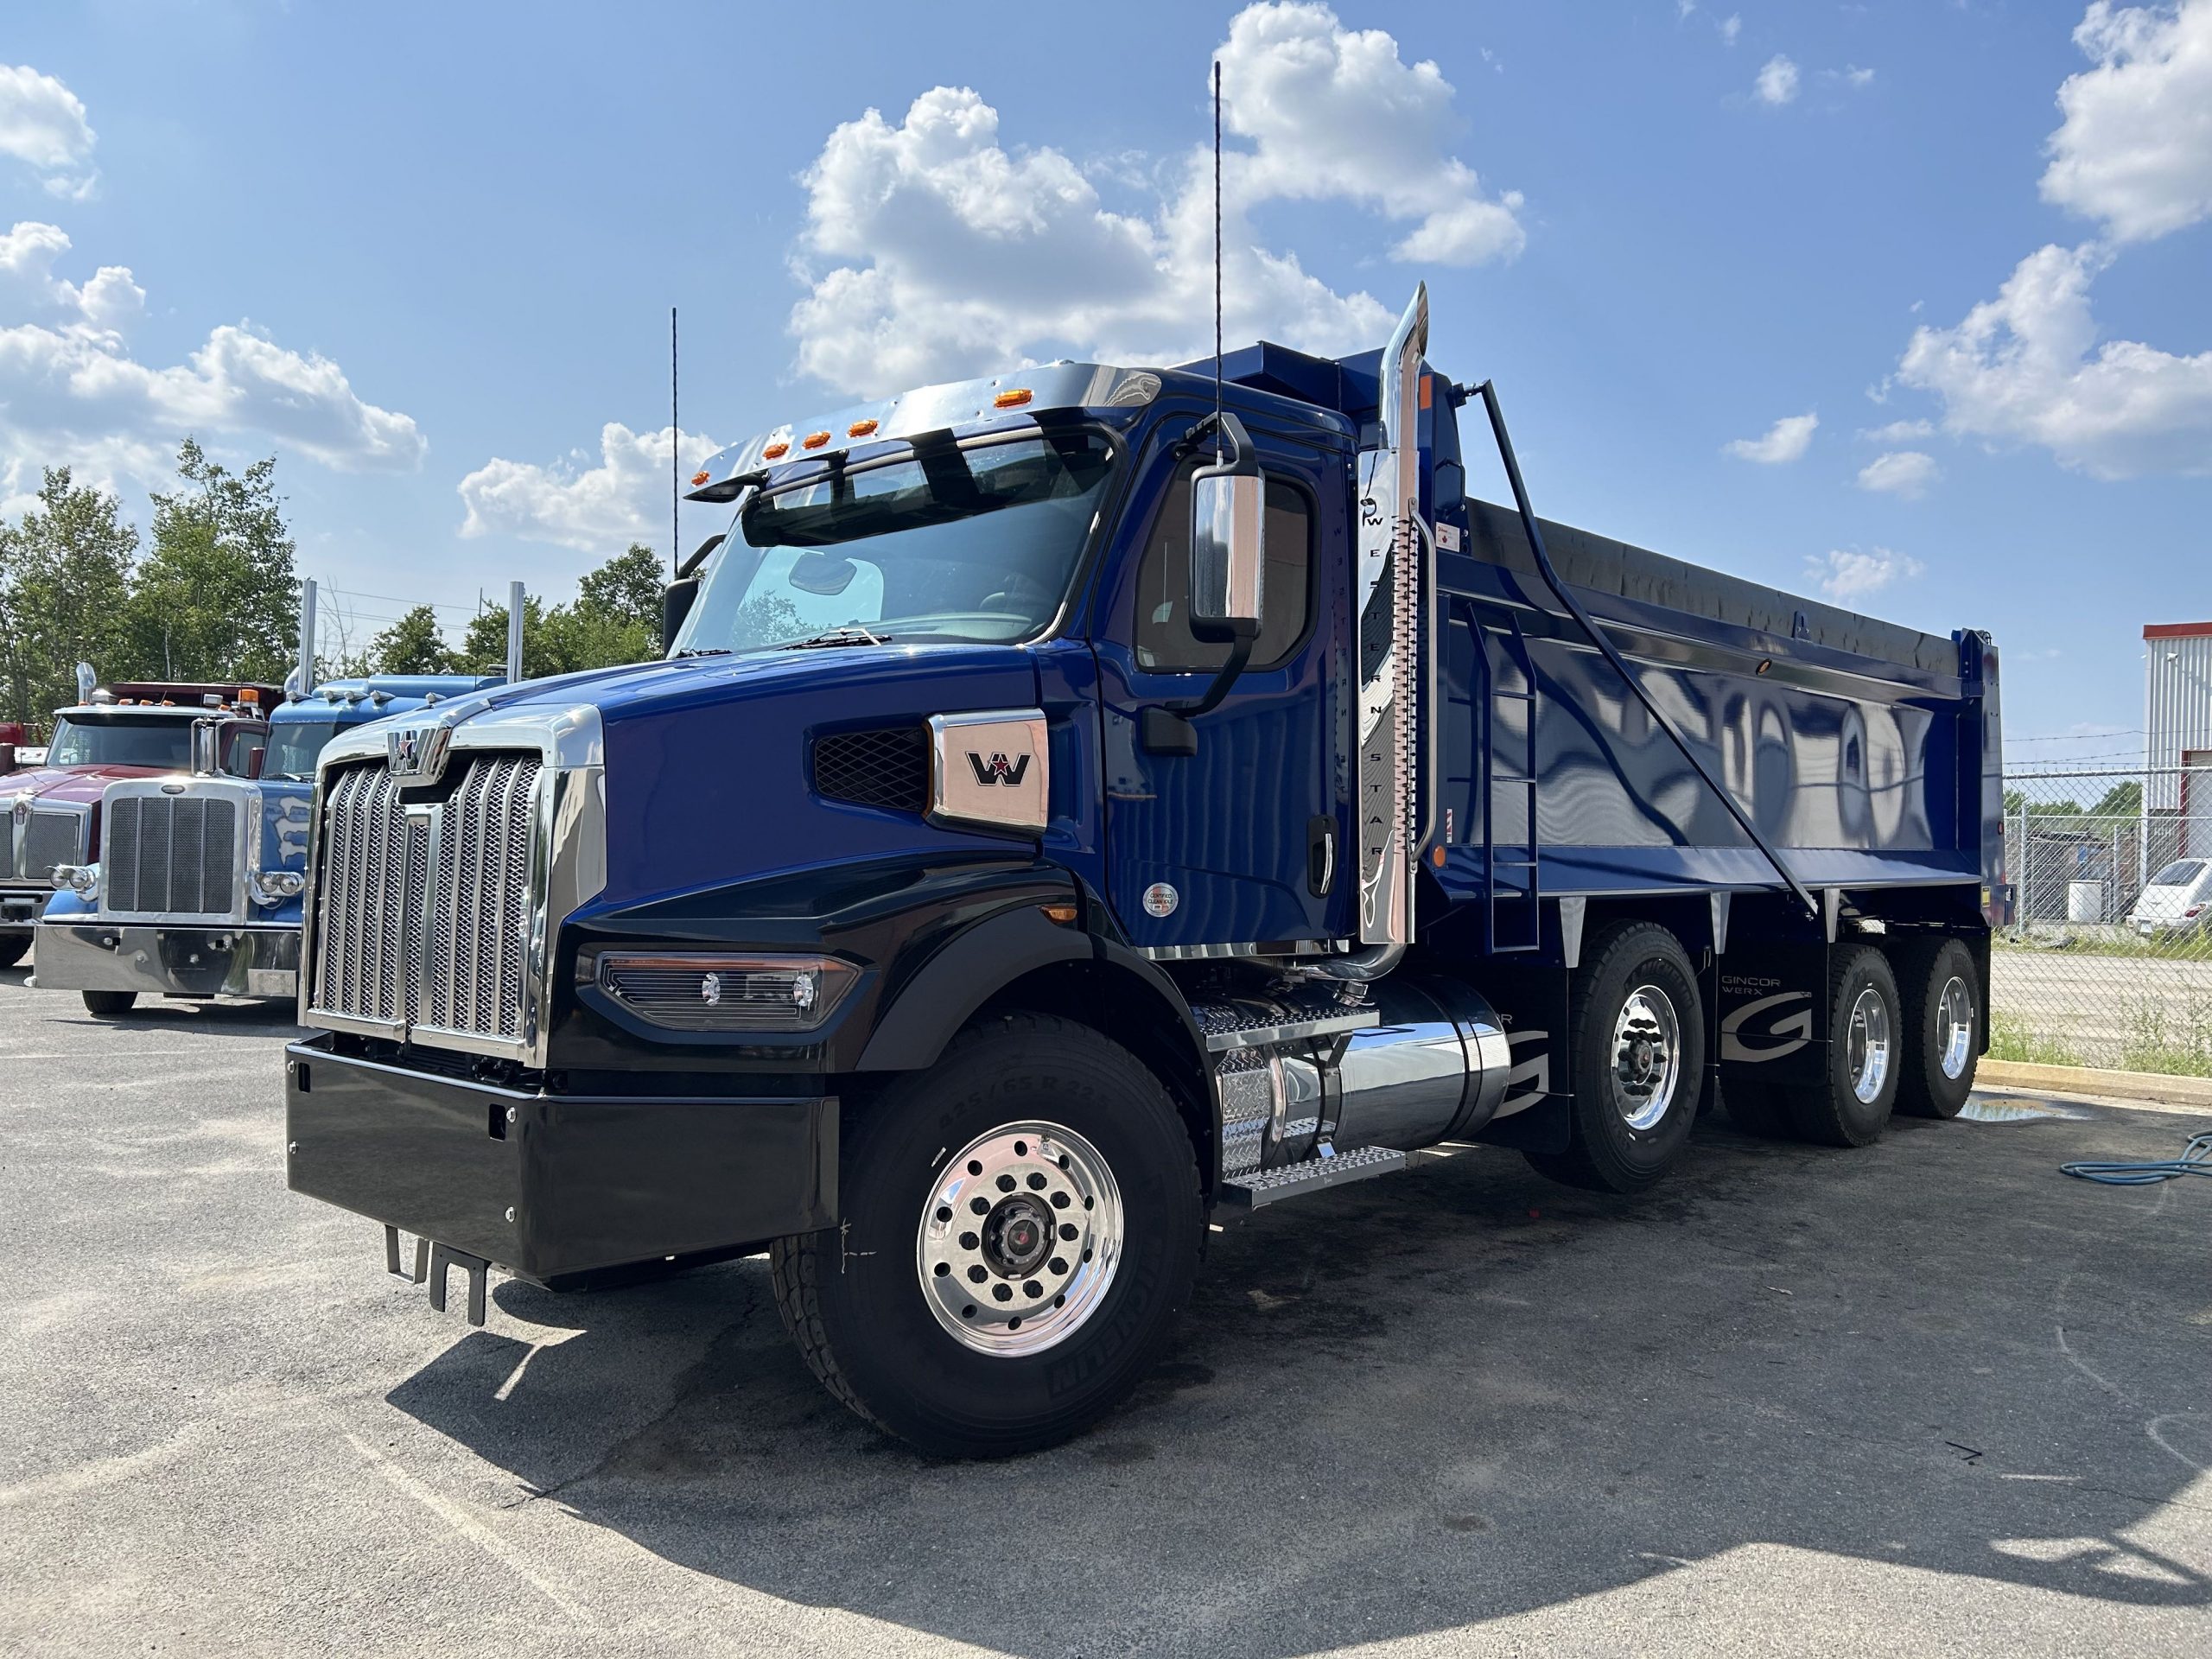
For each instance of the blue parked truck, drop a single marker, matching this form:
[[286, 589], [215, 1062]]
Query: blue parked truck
[[196, 891], [1073, 810]]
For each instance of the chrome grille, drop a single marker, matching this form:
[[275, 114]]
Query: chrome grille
[[170, 856], [423, 921], [7, 846], [52, 838]]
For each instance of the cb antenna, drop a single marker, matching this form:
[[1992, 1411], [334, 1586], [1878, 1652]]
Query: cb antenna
[[674, 456], [1216, 259]]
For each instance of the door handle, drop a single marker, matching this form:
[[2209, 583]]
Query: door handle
[[1320, 854]]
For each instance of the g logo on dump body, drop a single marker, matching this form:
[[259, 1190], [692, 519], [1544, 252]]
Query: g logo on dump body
[[1773, 1033]]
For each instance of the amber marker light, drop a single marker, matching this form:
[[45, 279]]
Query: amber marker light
[[699, 477], [1064, 914], [860, 429], [814, 440], [1011, 397], [775, 452]]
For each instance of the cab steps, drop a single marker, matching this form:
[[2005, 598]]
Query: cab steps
[[1267, 1186]]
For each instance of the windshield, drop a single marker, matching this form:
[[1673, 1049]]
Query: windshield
[[293, 747], [2180, 873], [976, 542], [123, 742]]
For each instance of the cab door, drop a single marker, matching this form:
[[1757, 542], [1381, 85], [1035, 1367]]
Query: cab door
[[1241, 845]]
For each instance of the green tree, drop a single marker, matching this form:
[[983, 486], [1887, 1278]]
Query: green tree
[[2120, 801], [413, 645], [64, 573], [484, 646], [217, 597], [627, 588]]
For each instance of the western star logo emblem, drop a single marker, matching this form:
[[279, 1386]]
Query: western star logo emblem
[[711, 989], [997, 769], [405, 754], [416, 752]]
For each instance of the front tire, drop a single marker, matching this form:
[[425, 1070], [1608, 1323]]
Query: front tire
[[1852, 1106], [987, 1332], [1941, 994], [109, 1005], [1637, 1045], [12, 946]]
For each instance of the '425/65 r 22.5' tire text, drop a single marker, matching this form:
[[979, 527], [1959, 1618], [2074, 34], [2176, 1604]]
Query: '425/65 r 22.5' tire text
[[1022, 1224]]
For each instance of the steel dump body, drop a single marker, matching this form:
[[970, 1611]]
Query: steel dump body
[[1857, 746]]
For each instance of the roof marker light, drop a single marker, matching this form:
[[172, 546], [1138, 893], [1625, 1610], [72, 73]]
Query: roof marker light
[[1011, 397], [814, 440], [699, 477], [860, 429], [775, 452]]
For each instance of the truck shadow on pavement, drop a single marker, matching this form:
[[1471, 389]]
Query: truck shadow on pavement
[[1457, 1394]]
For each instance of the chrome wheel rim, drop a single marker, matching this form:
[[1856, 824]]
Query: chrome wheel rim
[[1646, 1057], [1019, 1238], [1866, 1041], [1955, 1025]]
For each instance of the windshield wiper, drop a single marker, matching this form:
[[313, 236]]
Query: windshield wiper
[[704, 651], [851, 634]]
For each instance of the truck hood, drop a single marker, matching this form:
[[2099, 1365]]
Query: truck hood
[[74, 785], [640, 690]]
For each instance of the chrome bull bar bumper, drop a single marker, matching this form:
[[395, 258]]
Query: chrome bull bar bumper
[[252, 962]]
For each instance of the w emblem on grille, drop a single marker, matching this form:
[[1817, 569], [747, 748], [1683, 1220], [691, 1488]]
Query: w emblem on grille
[[998, 770], [417, 752]]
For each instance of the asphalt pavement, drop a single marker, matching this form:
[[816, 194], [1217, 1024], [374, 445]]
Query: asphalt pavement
[[1932, 1397]]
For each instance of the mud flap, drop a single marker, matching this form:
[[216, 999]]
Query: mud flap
[[1537, 1112], [1771, 1008]]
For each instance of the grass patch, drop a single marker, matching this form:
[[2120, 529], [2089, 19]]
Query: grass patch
[[2050, 939], [2178, 1046], [2012, 1039]]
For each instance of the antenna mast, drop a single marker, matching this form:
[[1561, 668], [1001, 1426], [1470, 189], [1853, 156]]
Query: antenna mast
[[675, 455], [1216, 259]]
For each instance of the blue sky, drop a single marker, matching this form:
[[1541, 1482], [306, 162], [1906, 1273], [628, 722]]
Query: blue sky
[[426, 254]]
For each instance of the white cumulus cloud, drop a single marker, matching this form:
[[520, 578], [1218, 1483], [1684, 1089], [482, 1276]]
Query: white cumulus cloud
[[597, 508], [1776, 82], [1787, 439], [2135, 150], [1900, 431], [2027, 367], [72, 390], [43, 126], [932, 249], [1907, 472], [1849, 575]]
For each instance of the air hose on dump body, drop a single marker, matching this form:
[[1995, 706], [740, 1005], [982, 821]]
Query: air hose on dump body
[[2196, 1160], [1665, 721]]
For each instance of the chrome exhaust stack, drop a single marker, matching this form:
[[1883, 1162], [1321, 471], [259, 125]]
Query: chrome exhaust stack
[[1387, 583]]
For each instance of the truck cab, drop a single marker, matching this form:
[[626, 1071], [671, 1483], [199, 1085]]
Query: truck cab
[[132, 729], [195, 891], [1081, 806]]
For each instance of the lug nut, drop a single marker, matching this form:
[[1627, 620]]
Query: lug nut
[[1057, 1265], [981, 1206], [1032, 1289], [977, 1275], [1067, 1234], [969, 1241], [1059, 1200], [1036, 1182], [1004, 1293], [1006, 1183]]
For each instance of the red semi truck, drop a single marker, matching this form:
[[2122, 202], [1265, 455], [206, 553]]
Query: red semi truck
[[138, 728]]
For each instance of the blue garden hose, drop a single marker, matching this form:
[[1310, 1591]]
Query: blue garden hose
[[2196, 1160]]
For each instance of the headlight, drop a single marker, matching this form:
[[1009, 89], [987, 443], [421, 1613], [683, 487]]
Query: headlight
[[714, 991], [83, 879], [273, 887]]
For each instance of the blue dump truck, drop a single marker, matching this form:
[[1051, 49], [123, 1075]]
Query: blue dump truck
[[1083, 805], [196, 891]]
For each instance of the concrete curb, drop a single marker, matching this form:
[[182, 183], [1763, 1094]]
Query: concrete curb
[[2083, 1080]]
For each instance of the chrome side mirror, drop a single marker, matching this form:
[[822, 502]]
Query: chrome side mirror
[[1228, 541]]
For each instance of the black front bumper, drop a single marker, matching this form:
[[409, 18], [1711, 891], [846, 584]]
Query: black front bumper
[[551, 1187], [20, 907]]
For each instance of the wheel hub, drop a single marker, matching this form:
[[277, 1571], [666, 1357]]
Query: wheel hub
[[1016, 1236], [1647, 1058], [1019, 1238]]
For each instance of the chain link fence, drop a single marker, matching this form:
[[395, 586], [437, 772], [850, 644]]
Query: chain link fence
[[2109, 961]]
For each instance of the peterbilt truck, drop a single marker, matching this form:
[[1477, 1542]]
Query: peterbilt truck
[[132, 729], [195, 892], [1082, 806]]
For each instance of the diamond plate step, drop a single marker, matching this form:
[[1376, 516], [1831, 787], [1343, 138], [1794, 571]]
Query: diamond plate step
[[1314, 1175]]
